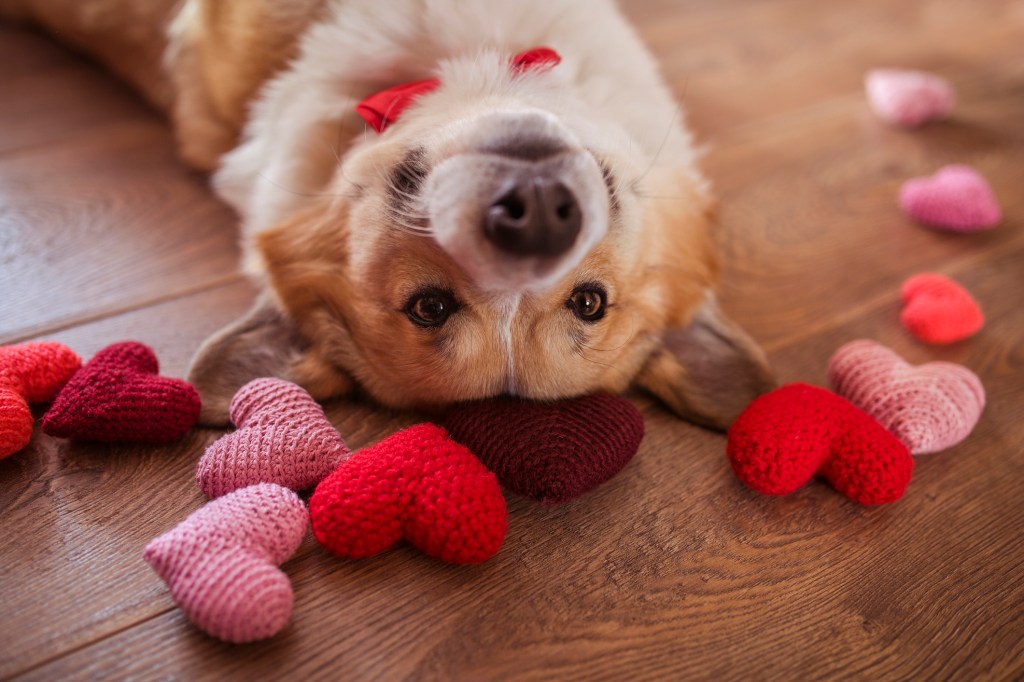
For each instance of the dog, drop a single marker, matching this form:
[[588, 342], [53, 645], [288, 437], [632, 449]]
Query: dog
[[530, 220]]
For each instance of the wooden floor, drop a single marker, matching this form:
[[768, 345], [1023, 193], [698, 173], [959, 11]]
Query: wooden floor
[[674, 569]]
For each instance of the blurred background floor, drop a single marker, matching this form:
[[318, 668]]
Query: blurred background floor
[[672, 569]]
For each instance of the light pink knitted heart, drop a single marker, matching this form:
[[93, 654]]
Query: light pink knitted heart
[[283, 437], [956, 198], [908, 98], [221, 563], [930, 407], [936, 309]]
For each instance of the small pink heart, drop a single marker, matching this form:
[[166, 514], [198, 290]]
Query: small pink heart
[[938, 310], [908, 98], [283, 437], [956, 198], [930, 407], [221, 563]]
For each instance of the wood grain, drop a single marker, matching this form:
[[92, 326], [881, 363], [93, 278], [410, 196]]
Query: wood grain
[[672, 570]]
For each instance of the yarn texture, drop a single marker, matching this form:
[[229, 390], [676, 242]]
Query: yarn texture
[[786, 437], [283, 437], [221, 563], [938, 310], [930, 407], [550, 452], [118, 397], [908, 98], [956, 198], [419, 485], [29, 373]]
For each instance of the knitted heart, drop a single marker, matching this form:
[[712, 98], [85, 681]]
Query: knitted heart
[[417, 484], [930, 407], [787, 436], [118, 397], [29, 373], [283, 437], [550, 452], [221, 563], [956, 198], [938, 310], [908, 98]]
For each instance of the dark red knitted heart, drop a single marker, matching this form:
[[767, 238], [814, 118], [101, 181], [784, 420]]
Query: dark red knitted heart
[[118, 397], [786, 437], [417, 484], [550, 452]]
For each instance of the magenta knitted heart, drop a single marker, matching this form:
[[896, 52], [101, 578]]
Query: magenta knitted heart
[[283, 437], [221, 563], [908, 98], [956, 198], [938, 310], [118, 397], [550, 452], [931, 407]]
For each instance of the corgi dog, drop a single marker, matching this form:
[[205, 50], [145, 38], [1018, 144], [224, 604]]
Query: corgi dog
[[442, 200]]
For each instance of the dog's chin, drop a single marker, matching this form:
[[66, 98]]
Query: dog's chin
[[460, 191]]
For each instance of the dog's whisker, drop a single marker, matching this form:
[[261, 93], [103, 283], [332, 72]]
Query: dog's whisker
[[299, 193]]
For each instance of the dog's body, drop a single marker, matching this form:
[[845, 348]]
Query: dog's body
[[543, 233]]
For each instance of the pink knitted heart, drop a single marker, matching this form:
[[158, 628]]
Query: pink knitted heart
[[908, 98], [930, 407], [221, 563], [283, 437], [938, 310], [956, 198]]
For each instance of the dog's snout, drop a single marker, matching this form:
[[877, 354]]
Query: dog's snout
[[537, 217]]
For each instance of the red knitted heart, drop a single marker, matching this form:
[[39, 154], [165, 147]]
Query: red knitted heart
[[930, 407], [787, 436], [938, 310], [417, 484], [550, 452], [118, 397], [283, 438], [29, 373], [956, 198]]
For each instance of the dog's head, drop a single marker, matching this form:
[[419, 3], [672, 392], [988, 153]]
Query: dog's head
[[501, 238]]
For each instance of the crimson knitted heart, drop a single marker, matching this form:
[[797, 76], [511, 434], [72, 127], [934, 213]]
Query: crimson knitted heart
[[930, 407], [908, 98], [417, 484], [221, 563], [283, 437], [29, 373], [938, 310], [786, 437], [550, 452], [119, 397], [956, 198]]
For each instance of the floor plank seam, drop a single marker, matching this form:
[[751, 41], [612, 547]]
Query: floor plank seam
[[48, 330]]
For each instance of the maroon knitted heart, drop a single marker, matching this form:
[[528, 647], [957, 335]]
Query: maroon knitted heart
[[550, 452], [118, 397]]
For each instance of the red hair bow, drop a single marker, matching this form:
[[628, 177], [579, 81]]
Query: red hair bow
[[383, 108]]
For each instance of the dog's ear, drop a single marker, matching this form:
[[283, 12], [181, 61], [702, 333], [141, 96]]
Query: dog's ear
[[300, 260], [263, 343], [709, 371]]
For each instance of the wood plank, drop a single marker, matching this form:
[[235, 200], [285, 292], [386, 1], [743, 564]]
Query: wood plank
[[53, 95], [103, 223], [675, 569], [810, 228], [747, 65]]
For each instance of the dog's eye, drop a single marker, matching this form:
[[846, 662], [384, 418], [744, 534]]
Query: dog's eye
[[431, 307], [588, 302]]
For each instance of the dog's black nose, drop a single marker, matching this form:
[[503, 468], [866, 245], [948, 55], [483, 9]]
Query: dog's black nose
[[537, 217]]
